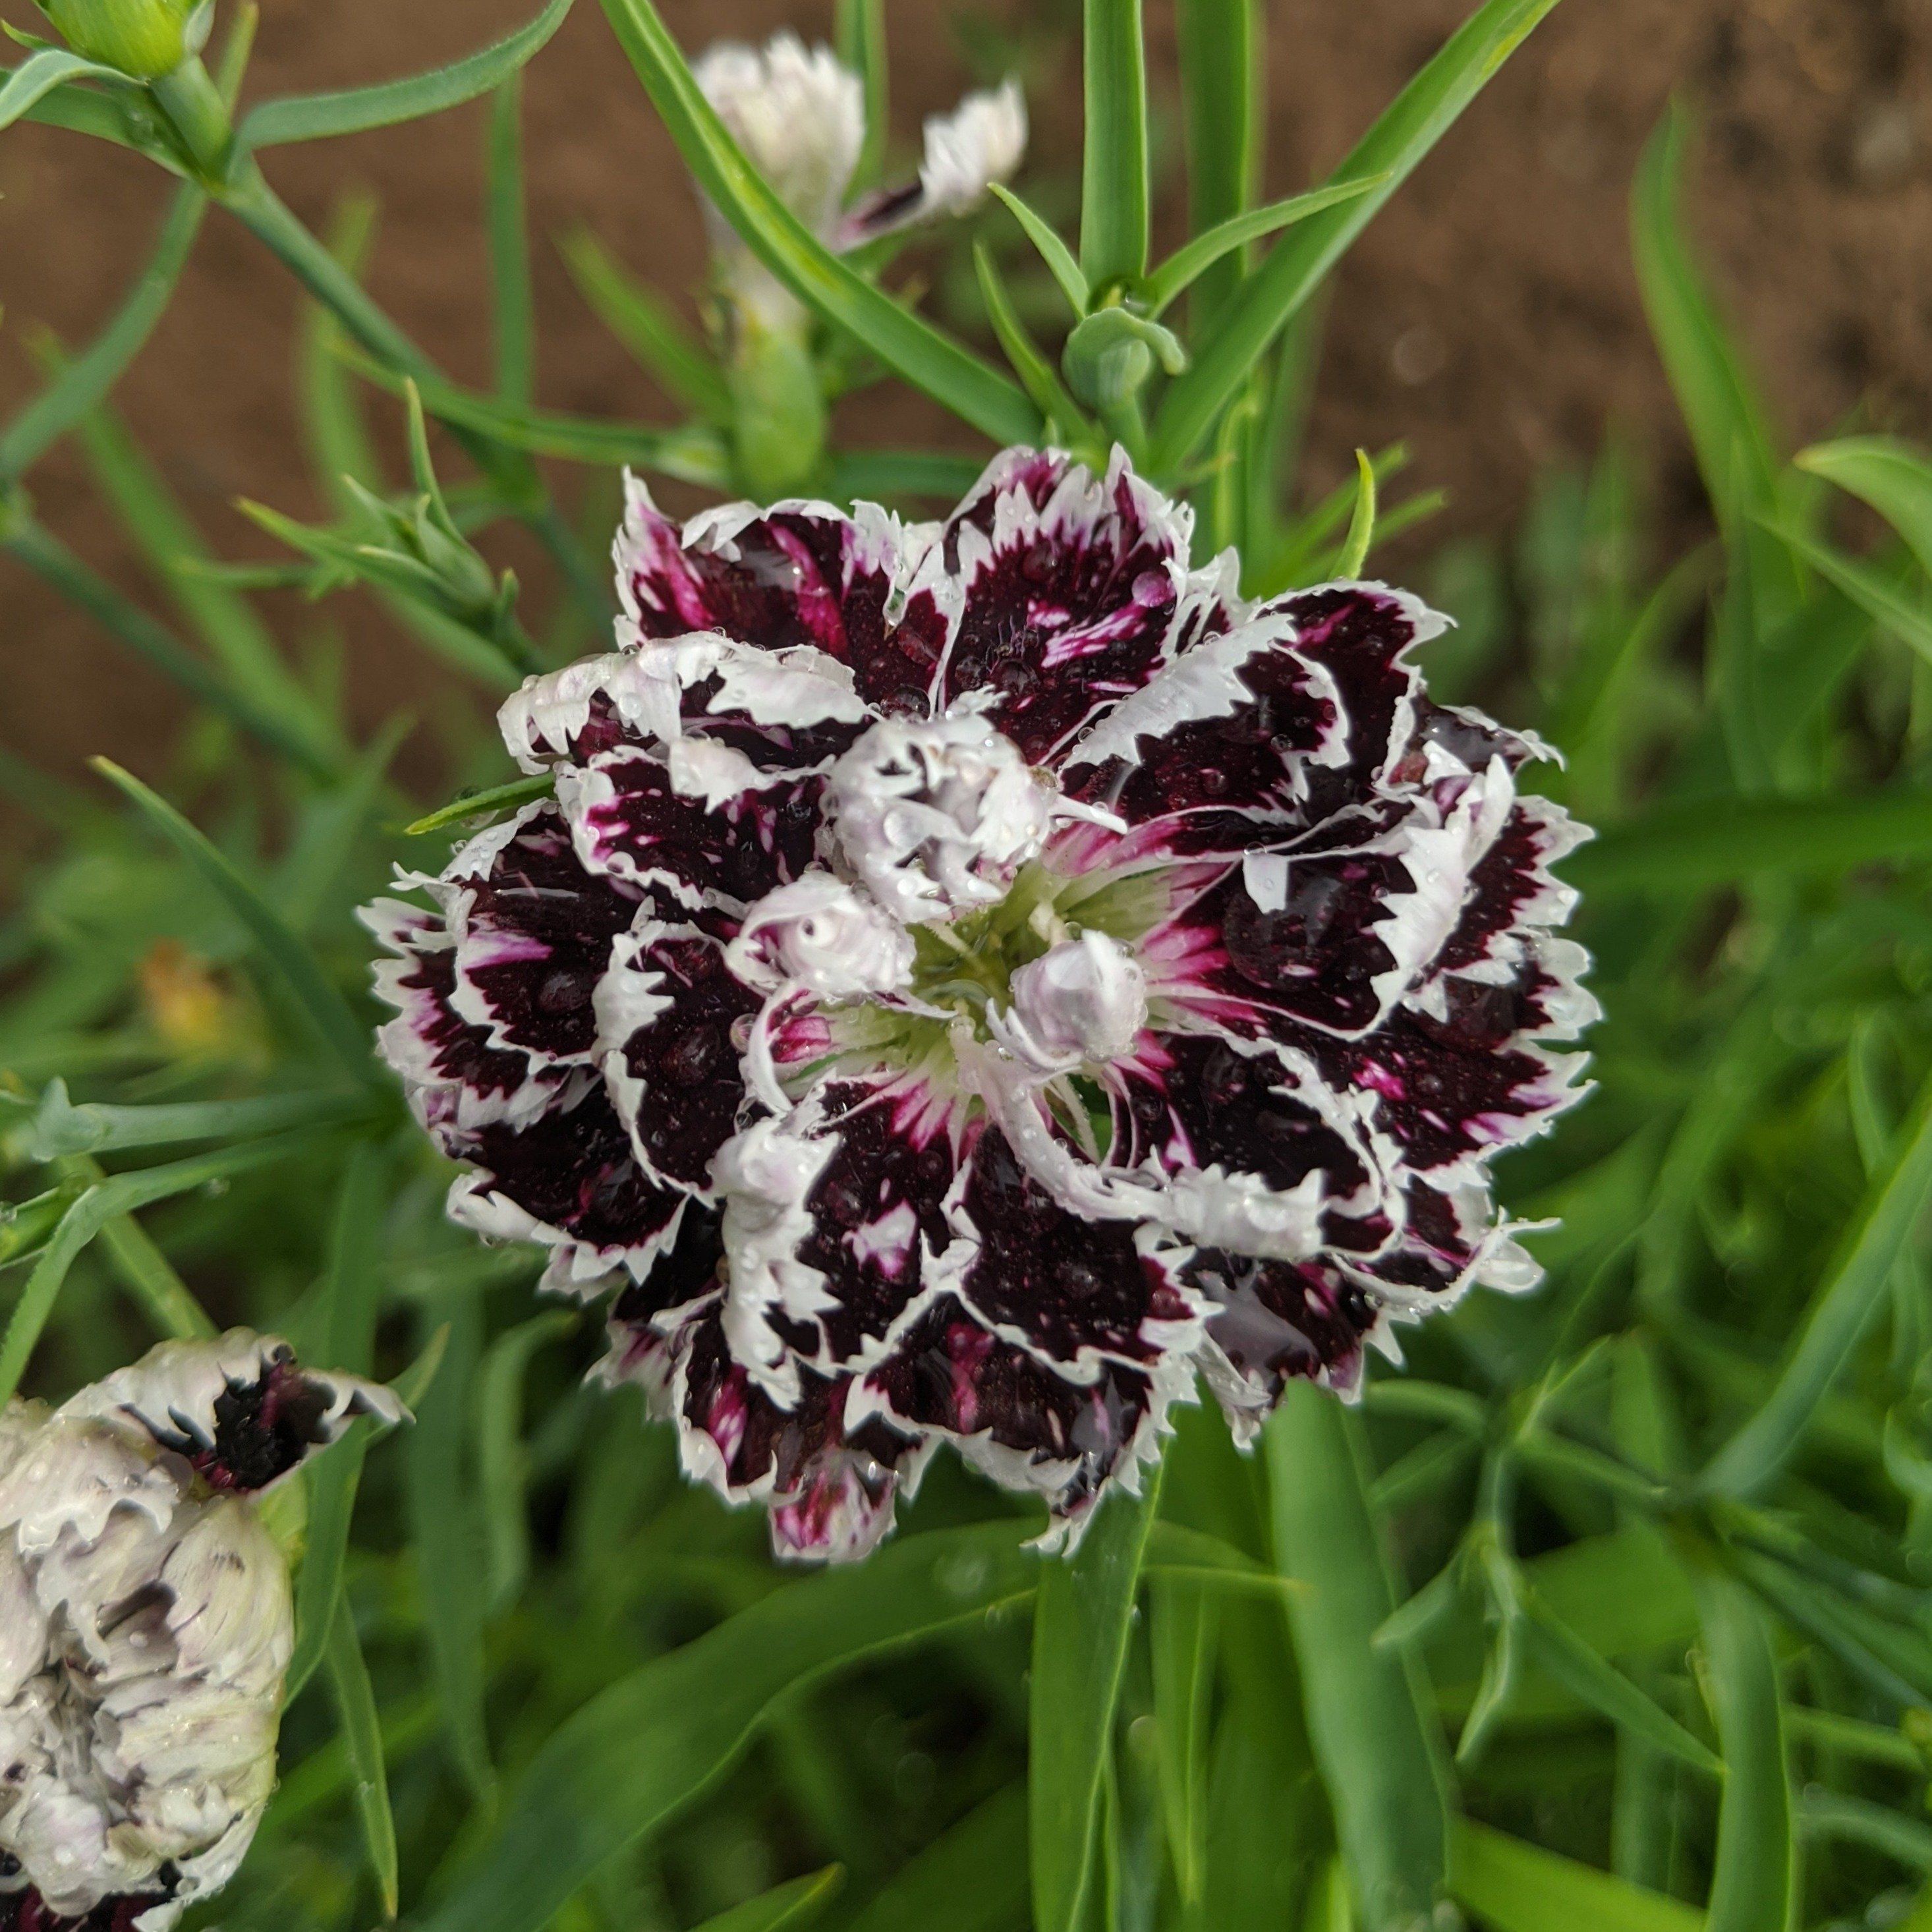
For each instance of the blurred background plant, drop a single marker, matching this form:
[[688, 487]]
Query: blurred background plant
[[1615, 1610]]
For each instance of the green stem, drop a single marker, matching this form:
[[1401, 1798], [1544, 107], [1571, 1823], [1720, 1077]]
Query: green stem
[[263, 213], [29, 542], [193, 102]]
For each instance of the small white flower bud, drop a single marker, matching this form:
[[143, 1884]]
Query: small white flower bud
[[1086, 1000], [979, 143], [799, 114], [820, 934], [934, 816]]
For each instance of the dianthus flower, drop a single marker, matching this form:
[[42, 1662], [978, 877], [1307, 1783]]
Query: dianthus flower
[[799, 113], [972, 977], [145, 1625]]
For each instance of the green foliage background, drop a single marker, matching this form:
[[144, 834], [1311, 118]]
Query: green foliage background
[[1613, 1612]]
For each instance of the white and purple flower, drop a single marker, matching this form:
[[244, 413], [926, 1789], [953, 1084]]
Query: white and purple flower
[[973, 976], [146, 1625]]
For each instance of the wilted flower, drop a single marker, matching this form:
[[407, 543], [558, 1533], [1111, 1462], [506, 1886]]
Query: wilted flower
[[145, 1625], [972, 977], [799, 114]]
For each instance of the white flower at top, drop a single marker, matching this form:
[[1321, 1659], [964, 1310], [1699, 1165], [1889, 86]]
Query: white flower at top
[[799, 114], [976, 981], [145, 1625]]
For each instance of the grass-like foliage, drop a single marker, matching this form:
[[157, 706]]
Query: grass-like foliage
[[1612, 1613]]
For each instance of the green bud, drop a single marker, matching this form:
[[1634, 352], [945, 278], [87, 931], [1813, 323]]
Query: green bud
[[1111, 353], [777, 406], [145, 39]]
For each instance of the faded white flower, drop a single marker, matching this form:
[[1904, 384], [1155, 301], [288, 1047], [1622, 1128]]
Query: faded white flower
[[799, 114], [145, 1625]]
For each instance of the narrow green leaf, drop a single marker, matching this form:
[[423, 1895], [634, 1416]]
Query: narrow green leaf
[[1114, 193], [859, 34], [1301, 551], [1858, 1821], [28, 542], [1690, 848], [227, 622], [446, 1541], [1188, 262], [321, 116], [1361, 521], [83, 110], [1497, 1689], [57, 1127], [1892, 1663], [1587, 1677], [1891, 476], [351, 1292], [238, 49], [1081, 1626], [512, 313], [1844, 1305], [971, 1879], [1752, 1880], [692, 453], [638, 317], [329, 837], [794, 1904], [362, 1733], [92, 1210], [1515, 1887], [1038, 377], [1719, 404], [38, 75], [325, 1008], [942, 367], [84, 380], [1873, 593], [1053, 252], [1408, 129], [1379, 1754], [146, 1273], [480, 804], [646, 1745], [1648, 1433], [502, 1459], [1220, 59], [883, 474], [1182, 1644]]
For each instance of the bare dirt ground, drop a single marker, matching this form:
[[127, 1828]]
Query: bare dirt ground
[[1490, 317]]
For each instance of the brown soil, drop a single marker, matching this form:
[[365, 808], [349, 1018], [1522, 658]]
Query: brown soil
[[1489, 316]]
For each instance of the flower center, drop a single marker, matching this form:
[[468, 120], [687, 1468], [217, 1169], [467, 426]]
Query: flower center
[[934, 816]]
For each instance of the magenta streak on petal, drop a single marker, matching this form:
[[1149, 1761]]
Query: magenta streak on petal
[[663, 565], [920, 1112], [968, 1348], [512, 949], [818, 607], [1076, 641], [801, 1033], [724, 1419]]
